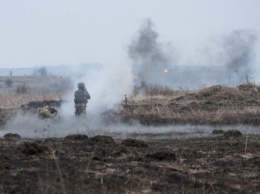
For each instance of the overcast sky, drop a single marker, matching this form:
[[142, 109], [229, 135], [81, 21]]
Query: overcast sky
[[61, 32]]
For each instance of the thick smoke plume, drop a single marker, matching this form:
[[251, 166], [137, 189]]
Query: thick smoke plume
[[150, 63], [238, 53], [233, 59]]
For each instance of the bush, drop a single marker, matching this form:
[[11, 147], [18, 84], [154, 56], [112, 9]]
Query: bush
[[22, 89], [9, 82]]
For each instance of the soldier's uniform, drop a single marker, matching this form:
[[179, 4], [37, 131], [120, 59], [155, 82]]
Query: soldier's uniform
[[81, 97]]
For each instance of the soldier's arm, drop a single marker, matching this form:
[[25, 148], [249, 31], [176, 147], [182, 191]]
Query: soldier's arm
[[75, 97], [87, 94]]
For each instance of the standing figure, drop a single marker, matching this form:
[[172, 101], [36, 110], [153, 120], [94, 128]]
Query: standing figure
[[81, 97]]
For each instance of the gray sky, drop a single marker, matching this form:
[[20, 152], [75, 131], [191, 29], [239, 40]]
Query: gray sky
[[57, 32]]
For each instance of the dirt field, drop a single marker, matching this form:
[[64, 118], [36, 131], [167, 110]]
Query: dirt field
[[78, 164]]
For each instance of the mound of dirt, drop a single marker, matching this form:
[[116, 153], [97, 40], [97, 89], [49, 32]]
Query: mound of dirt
[[33, 148], [134, 143], [249, 87], [101, 154], [218, 131], [76, 137], [163, 155], [120, 151], [103, 139], [207, 92], [5, 163], [12, 136], [232, 133]]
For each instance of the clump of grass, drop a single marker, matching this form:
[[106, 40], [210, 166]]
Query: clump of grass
[[154, 90], [12, 101]]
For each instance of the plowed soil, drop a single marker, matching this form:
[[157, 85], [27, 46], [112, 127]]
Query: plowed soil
[[80, 164]]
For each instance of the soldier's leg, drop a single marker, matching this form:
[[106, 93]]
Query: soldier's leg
[[77, 112], [84, 114]]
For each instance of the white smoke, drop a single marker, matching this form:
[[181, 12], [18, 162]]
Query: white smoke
[[106, 84]]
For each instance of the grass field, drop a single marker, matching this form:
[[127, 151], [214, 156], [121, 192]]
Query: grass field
[[213, 105], [32, 88]]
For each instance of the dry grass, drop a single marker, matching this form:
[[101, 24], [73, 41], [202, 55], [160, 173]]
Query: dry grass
[[213, 105], [37, 88], [12, 101]]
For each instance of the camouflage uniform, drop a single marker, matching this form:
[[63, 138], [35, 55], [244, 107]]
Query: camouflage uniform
[[81, 97]]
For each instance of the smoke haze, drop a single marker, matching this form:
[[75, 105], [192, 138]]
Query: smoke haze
[[151, 63], [231, 61], [238, 53]]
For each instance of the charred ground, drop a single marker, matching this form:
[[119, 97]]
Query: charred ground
[[100, 164]]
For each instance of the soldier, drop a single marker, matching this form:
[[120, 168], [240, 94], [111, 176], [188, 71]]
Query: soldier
[[81, 97]]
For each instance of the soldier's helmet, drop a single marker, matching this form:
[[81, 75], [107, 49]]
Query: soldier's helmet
[[81, 85]]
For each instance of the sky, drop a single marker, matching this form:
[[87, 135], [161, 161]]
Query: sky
[[72, 32]]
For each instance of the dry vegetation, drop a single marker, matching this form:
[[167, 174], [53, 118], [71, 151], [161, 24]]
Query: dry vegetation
[[151, 105], [213, 105], [32, 88]]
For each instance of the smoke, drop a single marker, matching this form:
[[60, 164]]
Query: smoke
[[106, 84], [238, 53], [151, 64], [30, 126]]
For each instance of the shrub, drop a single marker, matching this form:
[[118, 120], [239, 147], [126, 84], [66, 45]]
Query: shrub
[[9, 82]]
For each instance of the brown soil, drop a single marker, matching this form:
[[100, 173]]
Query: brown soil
[[77, 164]]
